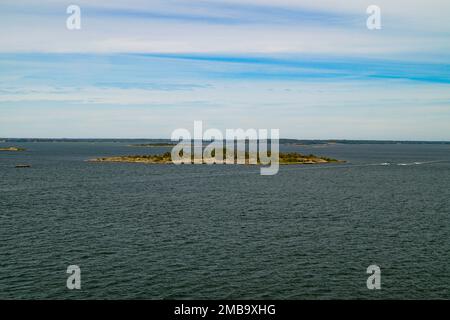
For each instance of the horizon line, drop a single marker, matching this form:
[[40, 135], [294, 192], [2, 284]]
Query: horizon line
[[2, 139]]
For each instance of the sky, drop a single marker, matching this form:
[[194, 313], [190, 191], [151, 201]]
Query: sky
[[141, 69]]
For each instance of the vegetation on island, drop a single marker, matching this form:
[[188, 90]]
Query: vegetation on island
[[12, 149], [165, 158]]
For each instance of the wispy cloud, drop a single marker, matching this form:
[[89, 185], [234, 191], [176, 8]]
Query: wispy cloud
[[319, 27]]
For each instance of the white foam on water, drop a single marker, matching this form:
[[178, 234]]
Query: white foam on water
[[342, 166], [419, 163]]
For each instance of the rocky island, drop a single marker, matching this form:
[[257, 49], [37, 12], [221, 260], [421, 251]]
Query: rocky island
[[166, 158], [12, 149], [152, 145]]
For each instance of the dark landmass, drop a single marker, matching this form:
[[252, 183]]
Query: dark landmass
[[282, 141], [152, 145], [331, 142], [23, 166]]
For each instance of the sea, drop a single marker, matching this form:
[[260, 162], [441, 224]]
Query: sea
[[162, 231]]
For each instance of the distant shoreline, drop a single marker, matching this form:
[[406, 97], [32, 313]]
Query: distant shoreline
[[152, 145], [167, 142]]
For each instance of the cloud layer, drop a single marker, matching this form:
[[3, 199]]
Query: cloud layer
[[144, 68], [319, 27]]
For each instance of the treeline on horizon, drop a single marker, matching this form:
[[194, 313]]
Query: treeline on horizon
[[168, 141]]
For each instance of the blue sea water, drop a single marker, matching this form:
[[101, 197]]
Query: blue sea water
[[201, 232]]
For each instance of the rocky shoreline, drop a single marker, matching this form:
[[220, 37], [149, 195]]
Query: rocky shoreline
[[166, 158], [12, 149]]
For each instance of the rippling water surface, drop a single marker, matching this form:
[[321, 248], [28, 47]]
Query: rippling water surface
[[165, 231]]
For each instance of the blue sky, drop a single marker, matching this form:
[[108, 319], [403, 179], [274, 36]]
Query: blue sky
[[144, 68]]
